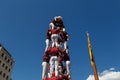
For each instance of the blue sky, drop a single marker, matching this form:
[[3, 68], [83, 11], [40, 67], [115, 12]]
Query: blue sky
[[23, 26]]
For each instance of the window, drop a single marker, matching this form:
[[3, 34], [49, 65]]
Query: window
[[8, 61], [5, 57], [3, 75], [0, 61], [2, 54], [6, 67], [3, 65], [9, 70], [0, 72], [7, 78]]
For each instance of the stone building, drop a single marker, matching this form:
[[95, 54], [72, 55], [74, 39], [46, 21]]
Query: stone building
[[6, 64]]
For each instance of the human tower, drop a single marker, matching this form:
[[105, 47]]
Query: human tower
[[56, 60]]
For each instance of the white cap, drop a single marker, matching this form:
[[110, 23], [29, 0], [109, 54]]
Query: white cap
[[60, 17]]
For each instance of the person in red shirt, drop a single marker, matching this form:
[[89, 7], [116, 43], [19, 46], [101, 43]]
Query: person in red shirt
[[60, 25], [53, 35], [51, 56], [62, 77], [55, 56], [57, 21], [65, 38]]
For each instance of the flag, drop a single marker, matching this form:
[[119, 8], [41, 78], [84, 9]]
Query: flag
[[92, 58], [90, 50]]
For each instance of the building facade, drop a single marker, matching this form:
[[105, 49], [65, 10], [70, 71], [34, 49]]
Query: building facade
[[6, 64]]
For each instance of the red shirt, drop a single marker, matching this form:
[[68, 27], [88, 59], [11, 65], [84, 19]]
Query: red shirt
[[58, 23], [55, 78], [54, 31], [58, 78], [54, 51]]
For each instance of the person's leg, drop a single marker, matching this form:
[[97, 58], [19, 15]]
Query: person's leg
[[53, 39], [44, 72], [68, 67], [47, 44], [56, 66], [52, 65]]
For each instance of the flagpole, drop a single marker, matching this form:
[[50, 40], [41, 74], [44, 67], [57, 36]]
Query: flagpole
[[92, 58]]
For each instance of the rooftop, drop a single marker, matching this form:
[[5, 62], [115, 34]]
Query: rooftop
[[6, 51]]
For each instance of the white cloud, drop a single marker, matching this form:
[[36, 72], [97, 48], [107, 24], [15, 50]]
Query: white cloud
[[112, 69], [110, 74]]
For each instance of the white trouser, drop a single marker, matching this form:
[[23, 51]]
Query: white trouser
[[54, 65], [54, 38], [47, 44], [49, 76], [66, 46], [44, 72], [68, 67], [60, 70]]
